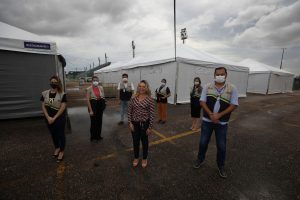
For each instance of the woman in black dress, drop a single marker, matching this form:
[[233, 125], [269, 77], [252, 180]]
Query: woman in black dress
[[195, 103]]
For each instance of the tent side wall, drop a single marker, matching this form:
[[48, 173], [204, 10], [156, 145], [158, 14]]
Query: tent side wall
[[280, 84], [23, 77], [187, 73], [258, 83], [154, 74]]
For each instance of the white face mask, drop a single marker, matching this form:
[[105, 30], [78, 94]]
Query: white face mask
[[95, 83], [220, 79], [196, 82], [162, 83], [125, 79]]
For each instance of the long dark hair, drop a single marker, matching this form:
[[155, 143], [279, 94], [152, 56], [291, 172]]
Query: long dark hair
[[59, 88]]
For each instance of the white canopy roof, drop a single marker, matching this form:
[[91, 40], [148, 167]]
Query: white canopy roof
[[257, 67], [184, 54], [15, 39]]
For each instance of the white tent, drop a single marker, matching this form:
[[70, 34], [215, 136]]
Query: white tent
[[265, 79], [27, 61], [179, 74]]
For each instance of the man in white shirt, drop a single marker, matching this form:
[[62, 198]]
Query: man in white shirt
[[125, 92]]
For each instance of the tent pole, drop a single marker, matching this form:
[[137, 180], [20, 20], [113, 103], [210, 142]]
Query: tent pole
[[176, 82], [269, 82]]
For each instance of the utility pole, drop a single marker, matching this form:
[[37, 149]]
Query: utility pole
[[93, 64], [175, 27], [105, 58], [133, 48], [99, 61], [282, 57]]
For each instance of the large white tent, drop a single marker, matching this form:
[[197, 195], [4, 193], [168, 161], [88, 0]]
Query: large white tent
[[27, 61], [179, 73], [265, 79]]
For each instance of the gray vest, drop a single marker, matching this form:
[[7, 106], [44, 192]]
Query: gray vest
[[56, 103]]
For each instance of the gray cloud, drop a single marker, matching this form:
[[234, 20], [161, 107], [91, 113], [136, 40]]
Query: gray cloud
[[85, 30], [69, 17], [280, 28]]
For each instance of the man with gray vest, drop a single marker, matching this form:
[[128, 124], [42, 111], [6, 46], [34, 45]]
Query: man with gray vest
[[125, 92], [218, 100]]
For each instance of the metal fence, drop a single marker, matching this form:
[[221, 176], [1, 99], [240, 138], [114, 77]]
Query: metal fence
[[296, 85], [110, 90]]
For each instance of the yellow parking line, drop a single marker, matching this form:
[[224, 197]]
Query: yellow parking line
[[166, 139], [295, 125], [173, 137], [161, 135]]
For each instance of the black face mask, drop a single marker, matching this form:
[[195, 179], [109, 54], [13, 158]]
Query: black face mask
[[54, 86]]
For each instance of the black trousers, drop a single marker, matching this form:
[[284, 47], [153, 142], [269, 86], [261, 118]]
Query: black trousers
[[139, 134], [96, 119], [96, 126], [57, 130]]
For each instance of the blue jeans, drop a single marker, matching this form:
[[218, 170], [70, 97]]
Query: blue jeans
[[124, 108], [220, 132]]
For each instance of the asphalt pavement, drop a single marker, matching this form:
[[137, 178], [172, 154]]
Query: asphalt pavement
[[263, 157]]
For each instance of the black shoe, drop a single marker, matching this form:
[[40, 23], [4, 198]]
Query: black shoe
[[163, 122], [222, 172], [120, 123], [101, 138], [159, 121], [197, 164]]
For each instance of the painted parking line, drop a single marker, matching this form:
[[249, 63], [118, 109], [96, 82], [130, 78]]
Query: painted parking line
[[161, 135], [163, 140], [288, 124]]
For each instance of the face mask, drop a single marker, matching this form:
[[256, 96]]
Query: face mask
[[220, 79], [163, 83], [53, 86], [125, 79], [95, 83], [196, 83]]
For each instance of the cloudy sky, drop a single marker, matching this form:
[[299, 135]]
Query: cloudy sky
[[232, 29]]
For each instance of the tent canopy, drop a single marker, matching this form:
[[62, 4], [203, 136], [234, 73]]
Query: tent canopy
[[189, 63], [265, 79], [258, 67], [185, 54], [27, 61], [15, 39]]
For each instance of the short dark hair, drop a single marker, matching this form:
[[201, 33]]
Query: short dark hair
[[197, 78], [125, 75], [219, 68], [164, 80], [95, 77]]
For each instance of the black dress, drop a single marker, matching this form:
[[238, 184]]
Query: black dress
[[195, 102]]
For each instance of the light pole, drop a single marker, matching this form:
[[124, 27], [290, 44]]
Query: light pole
[[282, 57], [133, 48]]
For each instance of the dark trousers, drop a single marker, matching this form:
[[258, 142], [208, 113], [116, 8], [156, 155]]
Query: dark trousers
[[96, 126], [98, 107], [139, 134], [220, 132], [57, 130]]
